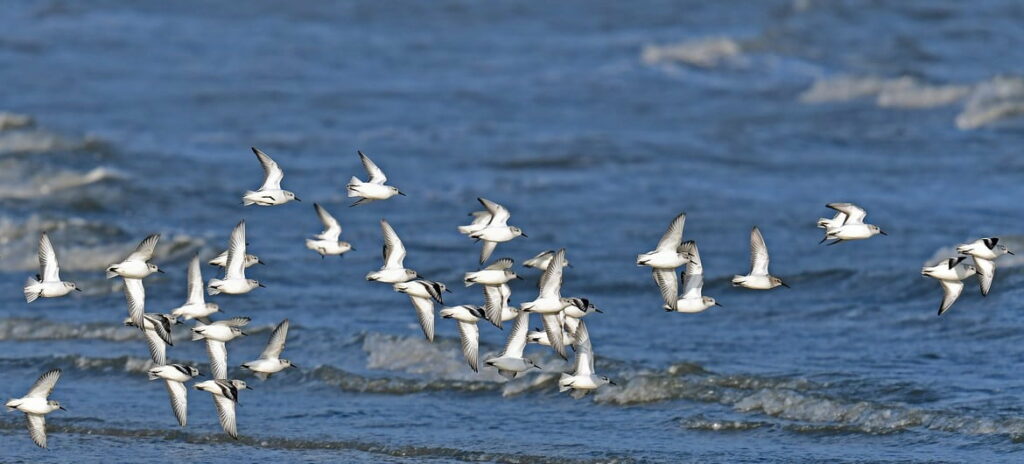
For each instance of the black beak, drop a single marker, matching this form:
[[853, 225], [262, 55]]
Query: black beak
[[260, 261], [62, 408], [248, 387], [612, 383], [447, 291], [294, 366], [568, 265], [244, 334], [1009, 252], [538, 367], [402, 194], [77, 289], [261, 285], [598, 310], [823, 240], [519, 278], [882, 232], [718, 304], [160, 271], [200, 374], [298, 199], [784, 285], [524, 234]]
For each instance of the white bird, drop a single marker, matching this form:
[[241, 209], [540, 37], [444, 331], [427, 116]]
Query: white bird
[[393, 271], [580, 307], [511, 362], [270, 361], [175, 376], [374, 188], [225, 397], [851, 226], [950, 273], [549, 302], [758, 279], [480, 220], [692, 300], [497, 229], [466, 316], [568, 329], [157, 328], [326, 242], [496, 304], [137, 265], [135, 296], [423, 294], [542, 259], [222, 260], [498, 273], [36, 406], [47, 283], [234, 281], [668, 254], [195, 306], [270, 193], [216, 335], [583, 380], [984, 251]]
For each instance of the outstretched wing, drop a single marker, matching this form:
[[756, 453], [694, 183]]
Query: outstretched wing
[[178, 394], [758, 253], [495, 299], [517, 338], [272, 172], [854, 214], [195, 283], [332, 230], [674, 235], [48, 260], [584, 365], [553, 328], [135, 295], [950, 292], [235, 268], [551, 280], [666, 280], [376, 175], [986, 272], [425, 313], [37, 428], [157, 347], [276, 344], [44, 384], [499, 214], [469, 334], [218, 353], [501, 264], [486, 250], [394, 250], [144, 252], [226, 413]]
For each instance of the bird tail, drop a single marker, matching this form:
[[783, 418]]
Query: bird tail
[[823, 223], [12, 404], [467, 279], [210, 289], [737, 280], [352, 183], [465, 230], [153, 376], [245, 198], [32, 290], [563, 382]]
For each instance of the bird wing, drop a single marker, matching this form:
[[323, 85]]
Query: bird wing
[[501, 264], [551, 280], [218, 353], [332, 230], [144, 252], [178, 394], [394, 250], [667, 283], [674, 235], [469, 333], [135, 295], [157, 347], [952, 262], [226, 413], [986, 272], [553, 328], [499, 214], [425, 312], [272, 172], [950, 292], [516, 342], [990, 242], [693, 257], [692, 284], [758, 253], [195, 283], [276, 343], [235, 268], [854, 214], [44, 384], [48, 260], [376, 175], [486, 250], [37, 428], [584, 365], [240, 321]]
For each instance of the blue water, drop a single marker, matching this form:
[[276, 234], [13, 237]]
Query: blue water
[[594, 123]]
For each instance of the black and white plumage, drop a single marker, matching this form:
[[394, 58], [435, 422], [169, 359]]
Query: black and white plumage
[[549, 303], [47, 283], [692, 300], [217, 334], [950, 273], [195, 306], [758, 278], [583, 379], [848, 224], [328, 242], [137, 265], [157, 329], [466, 317], [225, 397], [496, 230], [984, 251], [135, 297], [36, 405], [373, 189], [174, 377], [270, 193], [667, 255], [270, 361], [542, 259], [234, 281], [511, 361], [423, 294], [393, 270]]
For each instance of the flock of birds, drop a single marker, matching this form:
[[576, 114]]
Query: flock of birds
[[562, 317]]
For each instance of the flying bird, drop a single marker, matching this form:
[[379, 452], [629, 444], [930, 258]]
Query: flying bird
[[225, 397], [758, 279], [195, 306], [848, 224], [36, 406], [497, 229], [234, 281], [984, 251], [174, 377], [270, 193], [47, 283], [270, 361], [137, 265], [950, 273], [393, 271], [327, 242], [374, 188]]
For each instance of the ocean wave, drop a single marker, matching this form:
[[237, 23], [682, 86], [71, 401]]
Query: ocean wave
[[901, 92], [28, 329], [15, 121], [702, 423], [705, 52], [21, 186], [57, 426], [992, 101], [30, 141]]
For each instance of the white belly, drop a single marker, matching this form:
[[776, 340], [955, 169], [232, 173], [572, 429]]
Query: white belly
[[131, 269], [327, 247], [390, 276], [851, 232], [662, 260], [509, 364], [691, 305], [488, 277], [544, 305], [35, 406], [54, 289], [266, 197], [221, 333], [267, 366], [193, 311], [495, 234], [754, 282], [233, 286], [372, 191]]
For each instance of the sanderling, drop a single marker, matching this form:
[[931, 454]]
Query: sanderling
[[157, 328], [668, 254], [195, 306], [466, 316], [850, 225], [423, 294], [175, 376], [542, 259], [222, 260], [135, 296], [225, 396], [511, 362], [47, 283], [36, 406], [691, 301], [234, 281], [137, 265], [984, 251], [950, 273], [374, 188], [758, 279], [216, 335], [326, 242], [497, 229], [480, 220], [579, 307], [393, 271], [270, 193], [270, 361], [549, 302], [496, 304], [498, 273], [582, 380]]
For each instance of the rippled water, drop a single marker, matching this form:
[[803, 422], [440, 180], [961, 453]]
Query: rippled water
[[595, 123]]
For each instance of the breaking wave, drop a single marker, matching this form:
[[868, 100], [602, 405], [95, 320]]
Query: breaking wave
[[705, 52]]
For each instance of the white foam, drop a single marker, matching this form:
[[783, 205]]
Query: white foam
[[992, 101], [901, 92], [704, 52], [15, 121]]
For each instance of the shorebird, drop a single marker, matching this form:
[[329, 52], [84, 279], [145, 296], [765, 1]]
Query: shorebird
[[497, 229], [668, 254], [691, 301], [175, 376], [216, 335], [423, 294], [950, 273], [393, 271], [270, 193], [157, 328], [225, 396], [466, 317], [583, 380], [36, 406], [195, 306], [549, 302], [327, 242], [234, 281], [758, 279], [47, 283], [137, 265], [374, 188], [511, 362], [270, 361], [851, 226], [984, 251]]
